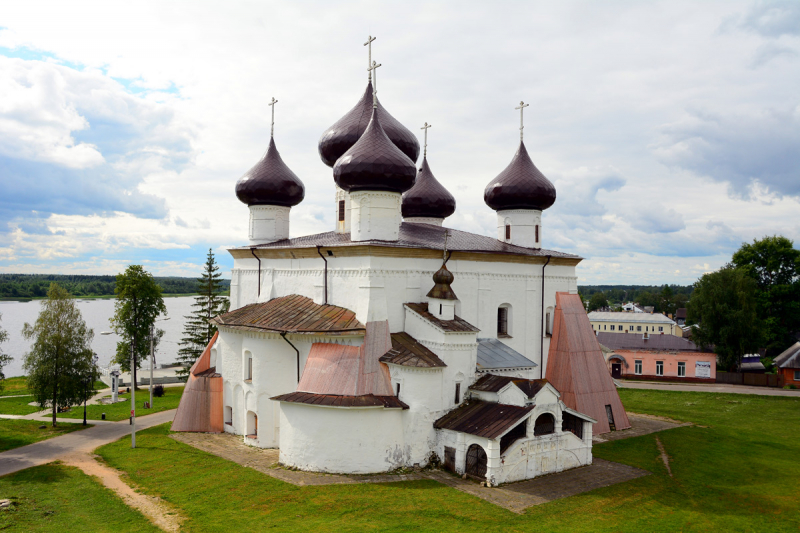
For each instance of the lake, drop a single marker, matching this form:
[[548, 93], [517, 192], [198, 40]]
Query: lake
[[96, 313]]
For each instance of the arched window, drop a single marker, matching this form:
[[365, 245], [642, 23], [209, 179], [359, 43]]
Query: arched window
[[504, 321], [545, 425], [252, 425], [229, 415]]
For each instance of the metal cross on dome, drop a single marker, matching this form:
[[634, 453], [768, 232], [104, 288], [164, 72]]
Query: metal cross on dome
[[444, 250], [369, 57], [272, 125], [374, 68], [425, 150], [522, 106]]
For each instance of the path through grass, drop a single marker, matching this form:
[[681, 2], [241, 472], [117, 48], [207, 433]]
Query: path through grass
[[16, 433], [63, 499], [738, 474]]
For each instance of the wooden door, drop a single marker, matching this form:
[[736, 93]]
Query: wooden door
[[616, 370], [476, 462]]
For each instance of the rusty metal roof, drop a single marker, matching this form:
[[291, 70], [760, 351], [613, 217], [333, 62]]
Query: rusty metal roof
[[292, 314], [407, 351], [418, 236], [576, 366], [200, 408], [332, 400], [493, 353], [635, 341], [483, 419], [456, 325], [492, 383]]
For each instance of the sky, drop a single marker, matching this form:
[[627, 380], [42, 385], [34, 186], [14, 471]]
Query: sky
[[671, 130]]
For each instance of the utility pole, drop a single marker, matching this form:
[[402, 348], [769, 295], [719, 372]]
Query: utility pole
[[133, 398], [152, 364]]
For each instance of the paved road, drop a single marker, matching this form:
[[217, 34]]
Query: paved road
[[84, 441], [707, 387]]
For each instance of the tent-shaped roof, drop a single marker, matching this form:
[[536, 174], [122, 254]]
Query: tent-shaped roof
[[577, 368], [200, 409]]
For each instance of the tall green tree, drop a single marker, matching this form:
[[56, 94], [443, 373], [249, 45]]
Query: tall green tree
[[774, 264], [198, 329], [61, 356], [138, 304], [4, 357], [724, 305], [597, 301]]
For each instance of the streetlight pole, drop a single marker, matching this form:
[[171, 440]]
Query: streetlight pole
[[133, 399]]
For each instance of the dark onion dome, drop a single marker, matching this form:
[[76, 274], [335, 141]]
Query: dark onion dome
[[340, 137], [520, 186], [270, 182], [374, 163], [428, 197], [441, 290]]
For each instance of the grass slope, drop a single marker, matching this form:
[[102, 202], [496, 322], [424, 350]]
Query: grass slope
[[16, 433], [122, 410], [15, 385], [738, 474], [18, 405], [63, 499]]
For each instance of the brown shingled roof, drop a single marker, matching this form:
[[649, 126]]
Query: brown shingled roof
[[483, 419], [492, 383], [456, 325], [332, 400], [407, 351], [292, 314], [418, 236]]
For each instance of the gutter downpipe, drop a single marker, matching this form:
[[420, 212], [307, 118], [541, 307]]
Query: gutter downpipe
[[544, 326], [283, 335], [325, 279], [253, 251]]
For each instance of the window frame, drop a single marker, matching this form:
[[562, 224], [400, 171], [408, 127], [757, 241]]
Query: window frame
[[659, 368], [458, 393], [797, 375], [341, 210], [637, 367], [681, 369]]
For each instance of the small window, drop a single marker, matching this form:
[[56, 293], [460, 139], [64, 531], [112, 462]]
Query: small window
[[341, 210], [612, 327], [620, 327], [660, 328], [797, 375], [681, 370], [637, 367], [458, 393], [508, 232], [440, 309], [630, 328], [229, 415], [545, 425], [250, 368], [548, 325], [659, 368], [537, 233], [638, 328], [604, 327], [610, 416], [397, 390], [502, 321]]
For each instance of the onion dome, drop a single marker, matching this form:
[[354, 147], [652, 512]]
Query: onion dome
[[520, 186], [428, 197], [270, 182], [374, 163], [343, 135], [441, 290]]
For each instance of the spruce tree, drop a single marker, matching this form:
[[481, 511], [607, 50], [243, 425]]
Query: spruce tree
[[198, 329], [4, 357]]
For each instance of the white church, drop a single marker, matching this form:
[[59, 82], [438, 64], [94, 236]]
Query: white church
[[391, 341]]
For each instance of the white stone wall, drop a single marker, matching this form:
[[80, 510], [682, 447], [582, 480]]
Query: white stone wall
[[342, 440], [268, 223], [425, 220], [375, 215], [523, 224]]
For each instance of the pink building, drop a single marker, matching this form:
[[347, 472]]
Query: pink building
[[657, 357]]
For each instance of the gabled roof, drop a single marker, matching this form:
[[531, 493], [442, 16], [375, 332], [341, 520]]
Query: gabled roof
[[292, 314], [407, 351], [615, 316], [458, 324], [418, 236], [332, 400], [492, 383], [790, 358], [483, 419], [493, 354], [635, 341], [576, 366]]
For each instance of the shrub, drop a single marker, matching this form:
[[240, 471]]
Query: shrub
[[158, 391]]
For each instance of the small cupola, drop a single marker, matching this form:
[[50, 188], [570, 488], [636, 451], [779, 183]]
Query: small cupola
[[374, 172], [441, 298], [270, 189], [427, 202], [519, 194]]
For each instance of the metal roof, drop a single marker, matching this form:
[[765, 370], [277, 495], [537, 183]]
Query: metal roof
[[417, 236], [492, 353], [332, 400], [789, 358], [456, 325], [200, 408], [483, 419], [407, 351], [576, 366], [610, 316], [492, 383], [636, 341], [292, 314]]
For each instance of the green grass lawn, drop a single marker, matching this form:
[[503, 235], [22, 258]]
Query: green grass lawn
[[122, 410], [15, 385], [738, 474], [63, 499], [17, 405], [16, 433]]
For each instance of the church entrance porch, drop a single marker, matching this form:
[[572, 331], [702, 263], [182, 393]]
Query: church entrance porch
[[476, 462]]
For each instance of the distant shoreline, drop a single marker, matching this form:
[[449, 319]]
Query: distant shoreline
[[101, 297]]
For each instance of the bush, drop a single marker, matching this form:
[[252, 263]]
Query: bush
[[790, 387], [158, 391]]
